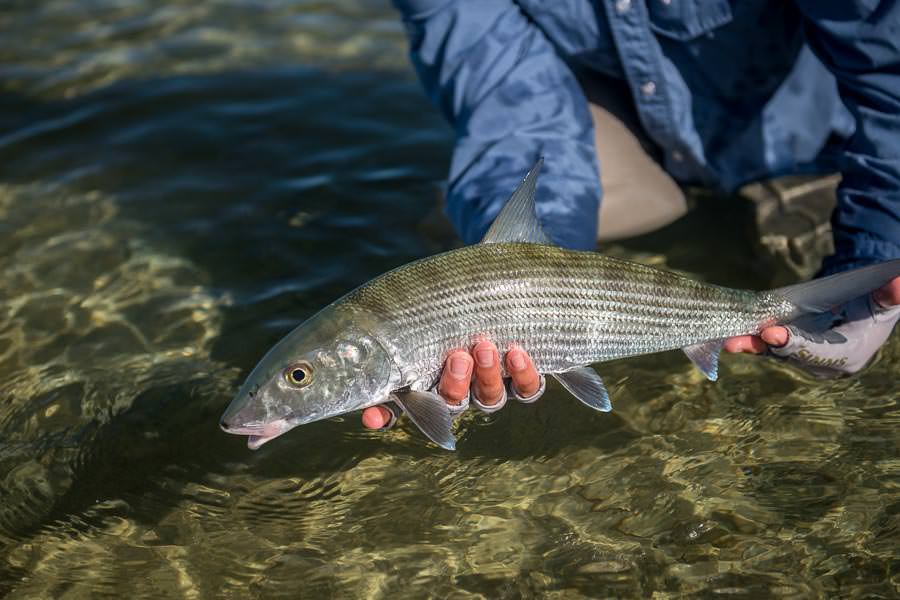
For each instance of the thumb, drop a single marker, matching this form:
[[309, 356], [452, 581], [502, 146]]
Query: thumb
[[776, 336], [888, 295]]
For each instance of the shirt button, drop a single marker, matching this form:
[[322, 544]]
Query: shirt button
[[666, 2], [648, 88], [677, 156], [622, 6]]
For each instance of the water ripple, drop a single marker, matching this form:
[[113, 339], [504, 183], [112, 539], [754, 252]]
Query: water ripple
[[183, 183]]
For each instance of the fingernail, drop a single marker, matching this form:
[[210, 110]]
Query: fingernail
[[774, 337], [485, 358], [517, 361], [459, 367]]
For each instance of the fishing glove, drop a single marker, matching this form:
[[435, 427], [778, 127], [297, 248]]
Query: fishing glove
[[490, 408], [395, 411], [531, 398], [831, 345], [510, 390], [458, 409]]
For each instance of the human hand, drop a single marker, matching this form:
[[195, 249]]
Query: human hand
[[488, 389], [841, 347]]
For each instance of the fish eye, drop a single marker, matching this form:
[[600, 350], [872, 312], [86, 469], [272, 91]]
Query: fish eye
[[299, 374]]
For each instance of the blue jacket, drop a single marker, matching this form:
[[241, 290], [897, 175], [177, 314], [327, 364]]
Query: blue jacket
[[733, 91]]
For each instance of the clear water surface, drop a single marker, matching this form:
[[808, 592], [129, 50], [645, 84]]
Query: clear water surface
[[181, 182]]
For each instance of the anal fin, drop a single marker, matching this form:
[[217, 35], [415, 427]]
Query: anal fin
[[430, 414], [705, 357], [586, 385]]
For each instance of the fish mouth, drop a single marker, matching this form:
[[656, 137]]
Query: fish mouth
[[257, 435], [255, 441]]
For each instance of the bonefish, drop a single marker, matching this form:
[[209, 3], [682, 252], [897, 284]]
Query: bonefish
[[387, 340]]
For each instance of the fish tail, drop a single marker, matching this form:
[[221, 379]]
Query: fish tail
[[821, 295]]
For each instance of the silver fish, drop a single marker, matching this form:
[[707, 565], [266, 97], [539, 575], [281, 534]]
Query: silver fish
[[388, 339]]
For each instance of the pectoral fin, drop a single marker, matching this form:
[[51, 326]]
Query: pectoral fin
[[586, 385], [430, 414], [705, 357], [517, 221]]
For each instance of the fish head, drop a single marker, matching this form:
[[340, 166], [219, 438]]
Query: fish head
[[327, 366]]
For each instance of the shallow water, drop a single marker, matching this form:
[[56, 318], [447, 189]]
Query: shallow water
[[182, 182]]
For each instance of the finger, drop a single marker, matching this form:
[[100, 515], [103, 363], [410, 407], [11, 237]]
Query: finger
[[376, 417], [775, 336], [889, 294], [525, 378], [456, 377], [745, 343], [488, 381]]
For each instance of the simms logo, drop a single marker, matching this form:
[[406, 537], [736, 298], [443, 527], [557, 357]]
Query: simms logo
[[809, 358]]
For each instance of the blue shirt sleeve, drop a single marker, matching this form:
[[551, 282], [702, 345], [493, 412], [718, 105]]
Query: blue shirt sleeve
[[510, 99], [859, 42]]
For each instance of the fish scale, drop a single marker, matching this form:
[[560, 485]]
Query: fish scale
[[566, 308]]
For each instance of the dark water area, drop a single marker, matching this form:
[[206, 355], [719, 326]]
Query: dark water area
[[181, 183]]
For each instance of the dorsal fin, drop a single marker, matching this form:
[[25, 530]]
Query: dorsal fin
[[517, 221]]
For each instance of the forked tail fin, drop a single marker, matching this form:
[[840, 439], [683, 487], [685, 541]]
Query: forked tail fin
[[821, 295], [812, 298]]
